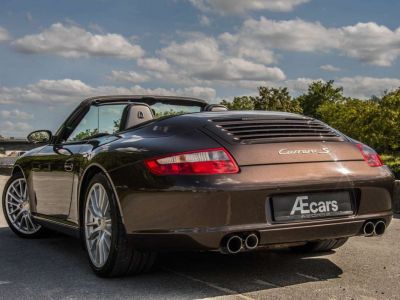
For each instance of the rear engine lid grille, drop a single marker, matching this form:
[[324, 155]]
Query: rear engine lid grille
[[256, 130]]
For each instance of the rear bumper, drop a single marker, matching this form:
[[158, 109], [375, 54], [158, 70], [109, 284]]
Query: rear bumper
[[196, 213], [270, 235]]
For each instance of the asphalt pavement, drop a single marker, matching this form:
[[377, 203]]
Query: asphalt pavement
[[57, 268]]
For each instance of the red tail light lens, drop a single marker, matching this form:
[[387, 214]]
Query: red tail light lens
[[201, 162], [370, 156]]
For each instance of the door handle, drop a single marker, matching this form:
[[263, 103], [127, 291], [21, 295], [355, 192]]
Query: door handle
[[69, 166]]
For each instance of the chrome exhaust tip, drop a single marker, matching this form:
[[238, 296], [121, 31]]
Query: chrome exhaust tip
[[234, 244], [369, 228], [380, 228], [251, 241]]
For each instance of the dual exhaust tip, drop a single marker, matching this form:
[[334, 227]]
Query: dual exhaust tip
[[372, 228], [236, 243]]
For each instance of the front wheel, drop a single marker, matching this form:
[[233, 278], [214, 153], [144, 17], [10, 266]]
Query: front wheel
[[16, 208], [110, 254]]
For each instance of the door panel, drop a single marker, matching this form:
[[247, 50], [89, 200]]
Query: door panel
[[53, 175]]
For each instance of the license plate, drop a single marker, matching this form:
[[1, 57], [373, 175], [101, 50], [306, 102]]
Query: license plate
[[305, 206]]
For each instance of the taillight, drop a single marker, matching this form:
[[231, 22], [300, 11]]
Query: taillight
[[200, 162], [370, 156]]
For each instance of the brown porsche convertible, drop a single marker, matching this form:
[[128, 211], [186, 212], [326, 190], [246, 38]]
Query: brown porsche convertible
[[135, 175]]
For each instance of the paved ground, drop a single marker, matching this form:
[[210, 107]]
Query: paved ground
[[56, 268]]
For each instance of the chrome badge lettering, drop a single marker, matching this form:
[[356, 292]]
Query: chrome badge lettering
[[285, 151]]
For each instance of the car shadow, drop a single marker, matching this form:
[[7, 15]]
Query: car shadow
[[57, 267]]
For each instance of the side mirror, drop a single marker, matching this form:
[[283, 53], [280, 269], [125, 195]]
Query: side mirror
[[40, 137]]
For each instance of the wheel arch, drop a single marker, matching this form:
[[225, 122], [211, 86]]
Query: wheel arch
[[87, 175], [17, 169]]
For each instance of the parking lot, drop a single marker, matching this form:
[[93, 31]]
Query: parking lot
[[56, 268]]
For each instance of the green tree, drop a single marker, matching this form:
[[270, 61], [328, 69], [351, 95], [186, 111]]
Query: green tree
[[318, 93], [389, 121], [375, 122], [85, 134], [353, 117], [277, 99], [240, 103]]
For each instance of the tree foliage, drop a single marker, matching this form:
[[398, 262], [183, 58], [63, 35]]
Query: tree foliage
[[319, 93], [240, 103], [375, 122], [277, 99], [85, 134]]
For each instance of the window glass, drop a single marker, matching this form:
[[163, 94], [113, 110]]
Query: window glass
[[103, 119]]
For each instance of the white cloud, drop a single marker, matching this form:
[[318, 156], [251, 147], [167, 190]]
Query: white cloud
[[371, 43], [243, 6], [154, 64], [241, 69], [247, 48], [365, 87], [204, 20], [73, 41], [46, 92], [368, 42], [4, 35], [292, 35], [201, 59], [15, 114], [198, 91], [15, 127], [361, 87], [131, 76], [69, 91], [194, 53], [329, 68]]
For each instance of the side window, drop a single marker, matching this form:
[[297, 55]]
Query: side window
[[103, 119]]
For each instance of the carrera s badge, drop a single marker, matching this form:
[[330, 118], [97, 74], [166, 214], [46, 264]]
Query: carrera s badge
[[285, 151]]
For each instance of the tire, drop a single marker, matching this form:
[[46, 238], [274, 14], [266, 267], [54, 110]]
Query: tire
[[320, 246], [16, 208], [104, 236]]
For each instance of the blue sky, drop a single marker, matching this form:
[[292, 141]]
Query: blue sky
[[53, 54]]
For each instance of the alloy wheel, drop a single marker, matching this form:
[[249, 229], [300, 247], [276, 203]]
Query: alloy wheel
[[18, 208], [98, 227]]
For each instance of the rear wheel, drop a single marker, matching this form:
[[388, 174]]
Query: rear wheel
[[320, 246], [110, 254], [16, 208]]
